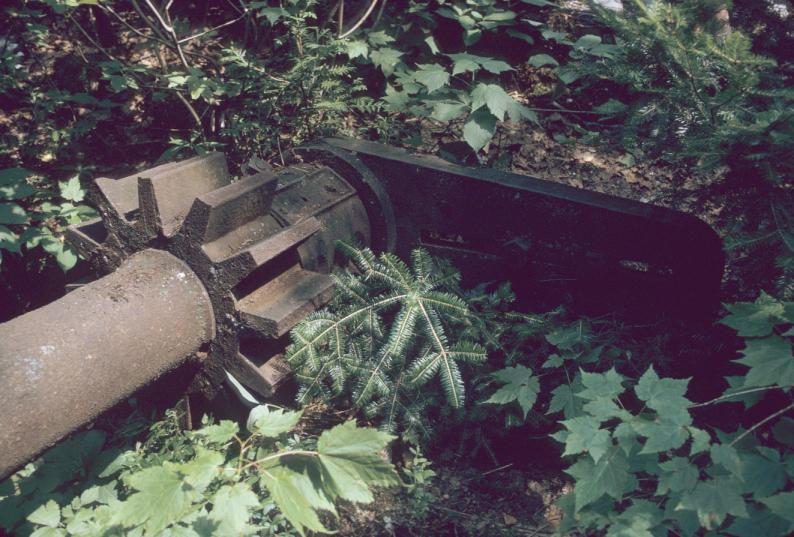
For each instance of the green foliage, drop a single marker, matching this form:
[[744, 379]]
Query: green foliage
[[31, 217], [419, 475], [429, 76], [212, 481], [689, 93], [650, 469], [388, 334]]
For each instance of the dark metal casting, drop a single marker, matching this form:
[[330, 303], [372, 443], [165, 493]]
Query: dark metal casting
[[223, 268]]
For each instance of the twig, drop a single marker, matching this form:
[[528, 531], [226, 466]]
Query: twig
[[760, 423], [227, 23], [737, 394], [496, 470], [360, 21]]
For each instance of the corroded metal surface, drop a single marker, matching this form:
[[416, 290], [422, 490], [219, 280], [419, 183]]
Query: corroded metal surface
[[63, 364]]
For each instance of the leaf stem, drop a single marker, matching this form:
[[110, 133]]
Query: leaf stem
[[762, 422], [737, 394]]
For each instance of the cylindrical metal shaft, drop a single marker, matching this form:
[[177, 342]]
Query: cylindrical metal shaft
[[64, 364]]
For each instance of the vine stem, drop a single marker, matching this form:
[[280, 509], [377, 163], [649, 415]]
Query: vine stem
[[737, 394], [762, 422], [299, 453]]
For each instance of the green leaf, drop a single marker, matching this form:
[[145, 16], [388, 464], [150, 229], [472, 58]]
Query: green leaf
[[770, 361], [520, 35], [219, 433], [700, 440], [479, 129], [385, 58], [585, 435], [563, 399], [760, 521], [432, 76], [464, 62], [48, 514], [782, 505], [665, 432], [162, 498], [48, 532], [201, 471], [783, 431], [11, 176], [713, 500], [755, 319], [271, 423], [66, 257], [637, 520], [726, 456], [446, 111], [296, 497], [678, 475], [231, 507], [519, 385], [72, 190], [492, 96], [357, 48], [609, 476], [11, 213], [9, 240], [601, 385], [380, 38], [762, 476], [662, 395], [13, 185], [539, 60]]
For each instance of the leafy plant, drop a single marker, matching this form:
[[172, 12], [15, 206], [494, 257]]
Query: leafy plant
[[643, 466], [390, 331], [419, 474], [31, 217], [209, 481]]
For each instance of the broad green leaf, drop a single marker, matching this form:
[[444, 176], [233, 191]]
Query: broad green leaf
[[66, 257], [11, 213], [713, 500], [479, 129], [48, 532], [430, 41], [48, 514], [162, 497], [492, 96], [519, 385], [351, 459], [9, 240], [783, 431], [604, 409], [563, 399], [567, 337], [782, 505], [219, 433], [759, 522], [761, 476], [700, 440], [770, 361], [297, 497], [609, 476], [613, 106], [601, 385], [385, 58], [726, 456], [585, 435], [231, 507], [755, 319], [11, 176], [204, 467], [520, 35], [432, 76], [667, 431], [539, 60], [357, 48], [379, 38], [637, 520], [678, 475], [446, 111], [662, 395], [736, 385], [271, 423], [494, 66], [71, 189], [464, 62]]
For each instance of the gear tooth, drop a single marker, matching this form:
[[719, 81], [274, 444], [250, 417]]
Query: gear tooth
[[238, 264], [226, 209], [87, 236], [264, 379], [275, 308], [166, 194], [118, 198]]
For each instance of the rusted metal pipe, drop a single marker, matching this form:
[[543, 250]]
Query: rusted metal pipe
[[65, 363]]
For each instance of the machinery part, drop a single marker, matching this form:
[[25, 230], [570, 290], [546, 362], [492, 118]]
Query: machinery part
[[555, 243], [65, 363], [255, 255]]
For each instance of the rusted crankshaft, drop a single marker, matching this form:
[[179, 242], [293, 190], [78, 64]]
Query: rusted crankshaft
[[221, 270]]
